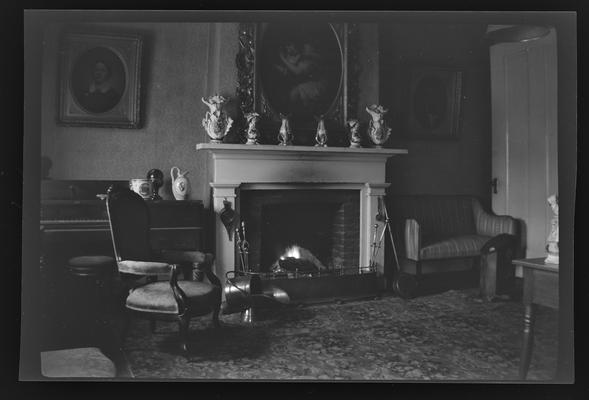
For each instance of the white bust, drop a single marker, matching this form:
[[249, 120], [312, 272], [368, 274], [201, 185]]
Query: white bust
[[552, 242]]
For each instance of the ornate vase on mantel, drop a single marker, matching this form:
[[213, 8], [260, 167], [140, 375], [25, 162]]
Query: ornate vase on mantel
[[321, 135], [252, 133], [378, 132], [285, 134], [353, 128], [216, 121]]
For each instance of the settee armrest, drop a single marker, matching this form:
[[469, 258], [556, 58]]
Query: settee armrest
[[412, 239], [492, 225], [498, 243]]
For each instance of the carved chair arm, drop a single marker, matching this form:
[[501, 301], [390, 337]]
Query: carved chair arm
[[179, 294], [206, 268], [412, 239]]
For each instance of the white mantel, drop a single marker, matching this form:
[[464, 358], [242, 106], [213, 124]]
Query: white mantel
[[235, 167]]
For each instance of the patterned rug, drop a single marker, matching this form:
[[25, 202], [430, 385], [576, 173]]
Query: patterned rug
[[448, 336]]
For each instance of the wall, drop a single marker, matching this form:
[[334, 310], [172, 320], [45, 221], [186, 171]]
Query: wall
[[460, 166], [186, 61], [182, 62]]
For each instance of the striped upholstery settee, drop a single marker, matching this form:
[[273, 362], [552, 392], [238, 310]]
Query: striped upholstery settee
[[436, 227]]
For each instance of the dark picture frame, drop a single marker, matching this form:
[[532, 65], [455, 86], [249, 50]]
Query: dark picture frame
[[434, 103], [263, 86], [100, 80]]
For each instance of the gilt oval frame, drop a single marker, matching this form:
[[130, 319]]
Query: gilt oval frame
[[249, 89]]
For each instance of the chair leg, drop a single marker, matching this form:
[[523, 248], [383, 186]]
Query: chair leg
[[418, 270], [184, 322], [124, 329], [216, 311], [488, 276]]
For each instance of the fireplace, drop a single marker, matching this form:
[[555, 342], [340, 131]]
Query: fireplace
[[325, 223], [299, 195]]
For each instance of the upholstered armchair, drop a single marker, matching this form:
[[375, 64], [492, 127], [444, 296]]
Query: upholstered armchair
[[170, 299], [436, 227]]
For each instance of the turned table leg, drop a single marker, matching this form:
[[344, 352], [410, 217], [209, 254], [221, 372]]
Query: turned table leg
[[528, 341]]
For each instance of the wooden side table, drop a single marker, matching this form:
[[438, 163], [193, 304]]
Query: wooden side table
[[540, 287]]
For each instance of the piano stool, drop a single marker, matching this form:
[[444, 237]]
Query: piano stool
[[91, 280]]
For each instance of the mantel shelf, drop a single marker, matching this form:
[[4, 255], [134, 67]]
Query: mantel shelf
[[256, 151]]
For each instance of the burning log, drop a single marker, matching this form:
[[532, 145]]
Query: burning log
[[298, 258]]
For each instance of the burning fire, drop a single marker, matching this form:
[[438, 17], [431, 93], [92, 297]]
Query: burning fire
[[292, 252]]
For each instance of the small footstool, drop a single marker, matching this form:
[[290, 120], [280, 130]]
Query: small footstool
[[87, 362]]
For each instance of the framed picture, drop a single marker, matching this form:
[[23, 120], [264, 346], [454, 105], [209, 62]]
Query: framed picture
[[100, 80], [434, 103], [295, 69]]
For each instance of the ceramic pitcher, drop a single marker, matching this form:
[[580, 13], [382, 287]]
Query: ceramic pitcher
[[180, 183]]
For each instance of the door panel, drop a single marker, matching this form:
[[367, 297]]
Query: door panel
[[524, 154]]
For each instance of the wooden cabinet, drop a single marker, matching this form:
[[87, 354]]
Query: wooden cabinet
[[176, 225]]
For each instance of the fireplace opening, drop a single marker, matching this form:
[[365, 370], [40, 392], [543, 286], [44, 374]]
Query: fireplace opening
[[307, 230]]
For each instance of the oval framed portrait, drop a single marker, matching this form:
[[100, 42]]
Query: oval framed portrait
[[300, 68], [100, 79]]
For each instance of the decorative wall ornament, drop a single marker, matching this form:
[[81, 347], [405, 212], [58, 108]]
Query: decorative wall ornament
[[180, 183], [245, 62], [321, 135], [353, 128], [352, 89], [100, 80], [216, 121], [252, 134], [227, 216], [378, 131], [285, 134]]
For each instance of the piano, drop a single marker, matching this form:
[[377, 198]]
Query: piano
[[74, 221]]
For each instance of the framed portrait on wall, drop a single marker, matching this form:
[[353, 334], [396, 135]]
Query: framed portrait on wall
[[100, 80], [434, 103]]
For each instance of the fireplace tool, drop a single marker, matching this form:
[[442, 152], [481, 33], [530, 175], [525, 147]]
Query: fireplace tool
[[240, 250], [403, 283], [244, 290], [243, 246]]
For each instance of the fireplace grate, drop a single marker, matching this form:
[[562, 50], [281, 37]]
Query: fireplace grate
[[338, 271]]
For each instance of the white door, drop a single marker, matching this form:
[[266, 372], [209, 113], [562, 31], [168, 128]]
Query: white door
[[524, 152]]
